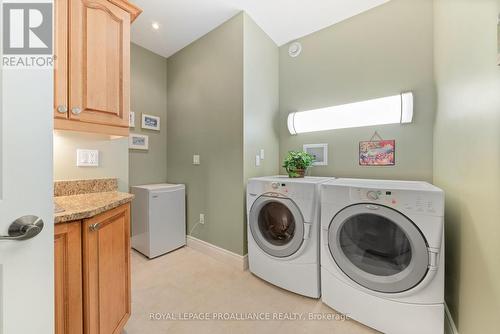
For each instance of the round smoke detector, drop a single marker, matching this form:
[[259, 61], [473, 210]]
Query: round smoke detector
[[294, 49]]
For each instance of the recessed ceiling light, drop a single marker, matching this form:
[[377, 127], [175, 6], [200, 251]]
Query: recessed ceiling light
[[155, 25]]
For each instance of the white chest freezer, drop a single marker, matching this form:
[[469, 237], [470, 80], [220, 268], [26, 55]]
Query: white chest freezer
[[158, 218]]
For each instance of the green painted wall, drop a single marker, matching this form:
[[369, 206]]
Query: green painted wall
[[223, 105], [205, 117], [148, 95], [467, 158], [375, 54], [261, 100], [261, 103]]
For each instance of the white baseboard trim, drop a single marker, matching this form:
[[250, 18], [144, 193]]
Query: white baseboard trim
[[221, 254], [449, 324]]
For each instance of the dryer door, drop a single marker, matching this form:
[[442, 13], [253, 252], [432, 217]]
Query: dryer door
[[277, 225], [378, 248]]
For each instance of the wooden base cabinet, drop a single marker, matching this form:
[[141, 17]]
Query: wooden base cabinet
[[106, 271], [68, 278], [93, 274]]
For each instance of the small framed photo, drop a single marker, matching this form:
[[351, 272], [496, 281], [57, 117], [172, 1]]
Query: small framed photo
[[319, 152], [377, 153], [138, 142], [150, 122], [131, 119]]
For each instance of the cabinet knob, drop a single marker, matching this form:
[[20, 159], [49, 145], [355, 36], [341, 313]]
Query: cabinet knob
[[62, 109], [76, 110]]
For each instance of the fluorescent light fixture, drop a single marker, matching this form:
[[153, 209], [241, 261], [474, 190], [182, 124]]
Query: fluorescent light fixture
[[397, 109]]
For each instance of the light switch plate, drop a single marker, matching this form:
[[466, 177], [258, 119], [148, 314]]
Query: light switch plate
[[87, 158], [262, 154], [196, 159], [257, 160]]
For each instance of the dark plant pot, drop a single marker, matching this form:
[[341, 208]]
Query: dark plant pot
[[298, 173]]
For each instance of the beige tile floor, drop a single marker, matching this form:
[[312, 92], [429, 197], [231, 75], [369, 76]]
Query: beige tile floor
[[187, 281]]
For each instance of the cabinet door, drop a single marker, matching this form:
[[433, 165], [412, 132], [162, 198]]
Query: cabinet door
[[99, 63], [106, 271], [68, 278], [61, 58]]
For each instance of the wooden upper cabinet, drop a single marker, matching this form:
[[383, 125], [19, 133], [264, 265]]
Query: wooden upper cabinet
[[96, 43], [106, 271], [100, 63]]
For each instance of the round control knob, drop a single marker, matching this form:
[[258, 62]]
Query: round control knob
[[373, 195], [275, 185]]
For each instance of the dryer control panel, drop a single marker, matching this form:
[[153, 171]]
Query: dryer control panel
[[278, 185], [419, 202]]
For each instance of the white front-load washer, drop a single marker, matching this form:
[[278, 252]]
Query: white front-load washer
[[283, 232], [382, 253]]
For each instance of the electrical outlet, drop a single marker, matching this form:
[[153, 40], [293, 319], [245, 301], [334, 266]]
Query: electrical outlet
[[202, 218], [87, 158], [196, 159]]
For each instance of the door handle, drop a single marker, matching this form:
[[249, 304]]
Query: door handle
[[24, 228]]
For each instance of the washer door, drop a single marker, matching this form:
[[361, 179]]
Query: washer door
[[277, 225], [378, 248]]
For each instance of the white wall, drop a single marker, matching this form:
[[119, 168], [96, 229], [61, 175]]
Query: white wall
[[113, 157]]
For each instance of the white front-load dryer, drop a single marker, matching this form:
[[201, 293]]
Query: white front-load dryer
[[382, 253], [283, 232]]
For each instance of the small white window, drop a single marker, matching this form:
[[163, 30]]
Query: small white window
[[319, 152]]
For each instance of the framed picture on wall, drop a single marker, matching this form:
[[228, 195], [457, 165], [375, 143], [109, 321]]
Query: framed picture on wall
[[377, 153], [150, 122], [138, 142], [319, 152]]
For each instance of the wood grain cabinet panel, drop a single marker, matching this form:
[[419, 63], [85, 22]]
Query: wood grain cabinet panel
[[92, 74], [92, 274], [99, 62], [68, 278], [106, 271]]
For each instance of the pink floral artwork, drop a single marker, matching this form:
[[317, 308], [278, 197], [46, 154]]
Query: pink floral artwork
[[377, 153]]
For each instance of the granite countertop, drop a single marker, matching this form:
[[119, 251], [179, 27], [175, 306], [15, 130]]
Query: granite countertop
[[83, 206], [80, 199]]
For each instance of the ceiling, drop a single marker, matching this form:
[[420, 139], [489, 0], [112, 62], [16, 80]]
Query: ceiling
[[183, 21]]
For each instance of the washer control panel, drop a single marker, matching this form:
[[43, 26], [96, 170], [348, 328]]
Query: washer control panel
[[278, 187], [419, 202]]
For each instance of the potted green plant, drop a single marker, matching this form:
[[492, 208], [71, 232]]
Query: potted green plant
[[297, 162]]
